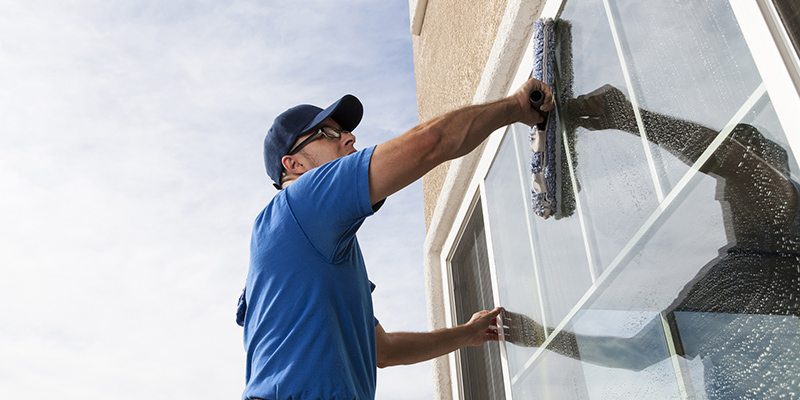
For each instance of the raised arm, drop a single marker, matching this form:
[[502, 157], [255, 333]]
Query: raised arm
[[406, 158], [402, 348]]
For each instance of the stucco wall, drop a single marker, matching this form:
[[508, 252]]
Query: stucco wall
[[449, 57]]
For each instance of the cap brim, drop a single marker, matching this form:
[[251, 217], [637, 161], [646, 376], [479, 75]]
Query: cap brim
[[347, 112]]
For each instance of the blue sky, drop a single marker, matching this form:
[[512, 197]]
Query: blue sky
[[131, 171]]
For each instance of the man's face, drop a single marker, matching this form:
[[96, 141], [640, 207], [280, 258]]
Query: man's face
[[322, 149]]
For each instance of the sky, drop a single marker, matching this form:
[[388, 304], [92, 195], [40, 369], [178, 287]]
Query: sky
[[131, 171]]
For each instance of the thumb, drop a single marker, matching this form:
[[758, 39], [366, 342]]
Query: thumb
[[494, 312]]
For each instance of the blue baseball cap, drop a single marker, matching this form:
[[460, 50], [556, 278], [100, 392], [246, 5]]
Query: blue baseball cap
[[299, 120]]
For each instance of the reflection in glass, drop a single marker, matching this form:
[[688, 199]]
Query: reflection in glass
[[563, 372], [695, 65], [728, 285]]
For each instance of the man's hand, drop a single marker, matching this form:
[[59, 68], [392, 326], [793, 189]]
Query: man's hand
[[482, 327], [408, 347], [528, 114]]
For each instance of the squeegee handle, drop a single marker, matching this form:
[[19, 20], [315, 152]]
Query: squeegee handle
[[536, 98]]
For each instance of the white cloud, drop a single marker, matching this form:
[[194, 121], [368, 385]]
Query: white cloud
[[130, 167]]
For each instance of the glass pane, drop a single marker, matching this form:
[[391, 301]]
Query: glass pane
[[481, 372], [695, 66], [508, 222], [616, 190]]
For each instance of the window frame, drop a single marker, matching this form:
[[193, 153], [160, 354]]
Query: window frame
[[475, 195]]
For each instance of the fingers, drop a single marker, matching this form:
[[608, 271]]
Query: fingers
[[529, 114], [534, 84], [491, 315], [491, 334], [548, 104]]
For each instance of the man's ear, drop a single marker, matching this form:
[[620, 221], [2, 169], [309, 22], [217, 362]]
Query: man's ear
[[292, 165]]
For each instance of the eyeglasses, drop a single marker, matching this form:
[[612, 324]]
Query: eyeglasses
[[326, 131]]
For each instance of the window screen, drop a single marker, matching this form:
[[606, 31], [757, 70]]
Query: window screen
[[480, 369]]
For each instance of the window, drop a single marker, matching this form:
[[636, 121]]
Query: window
[[480, 367], [678, 274]]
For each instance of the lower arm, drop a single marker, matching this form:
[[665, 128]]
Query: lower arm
[[412, 347]]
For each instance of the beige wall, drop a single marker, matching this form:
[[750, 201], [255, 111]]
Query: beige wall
[[449, 57]]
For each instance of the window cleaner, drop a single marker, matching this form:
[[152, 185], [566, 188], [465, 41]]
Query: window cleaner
[[551, 187]]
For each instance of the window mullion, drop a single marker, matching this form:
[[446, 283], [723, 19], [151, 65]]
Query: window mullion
[[635, 104]]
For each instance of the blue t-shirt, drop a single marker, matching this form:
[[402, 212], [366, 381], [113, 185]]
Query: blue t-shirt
[[309, 328]]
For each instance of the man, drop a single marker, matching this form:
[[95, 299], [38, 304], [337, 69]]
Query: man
[[309, 328]]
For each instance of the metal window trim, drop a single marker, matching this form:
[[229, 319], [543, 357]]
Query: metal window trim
[[465, 210], [487, 226], [775, 70], [784, 44]]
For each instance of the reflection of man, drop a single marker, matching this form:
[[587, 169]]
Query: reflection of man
[[309, 328], [739, 314]]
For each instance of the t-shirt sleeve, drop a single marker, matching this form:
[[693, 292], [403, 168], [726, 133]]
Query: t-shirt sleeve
[[331, 201]]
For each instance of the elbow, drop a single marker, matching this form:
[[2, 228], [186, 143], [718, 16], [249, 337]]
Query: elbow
[[382, 354], [384, 360], [433, 140]]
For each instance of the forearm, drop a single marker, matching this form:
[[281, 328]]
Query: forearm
[[412, 347], [462, 130]]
